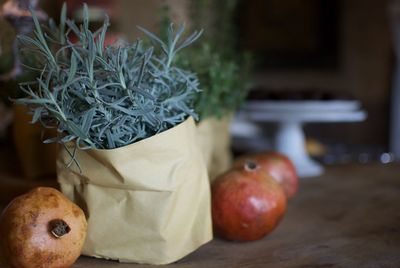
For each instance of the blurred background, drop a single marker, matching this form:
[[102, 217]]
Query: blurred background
[[340, 55]]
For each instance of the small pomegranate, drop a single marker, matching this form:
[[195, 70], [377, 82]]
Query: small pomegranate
[[41, 228], [277, 166], [247, 204]]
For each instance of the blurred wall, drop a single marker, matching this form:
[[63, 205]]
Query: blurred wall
[[7, 35], [365, 62], [364, 70], [147, 14]]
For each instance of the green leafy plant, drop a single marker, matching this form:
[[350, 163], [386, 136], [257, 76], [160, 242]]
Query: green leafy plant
[[106, 97], [224, 73], [224, 81]]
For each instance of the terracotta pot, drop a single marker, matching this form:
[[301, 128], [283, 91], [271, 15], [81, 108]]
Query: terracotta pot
[[38, 160]]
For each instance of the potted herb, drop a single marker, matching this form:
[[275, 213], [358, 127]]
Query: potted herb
[[129, 154], [224, 74], [224, 83]]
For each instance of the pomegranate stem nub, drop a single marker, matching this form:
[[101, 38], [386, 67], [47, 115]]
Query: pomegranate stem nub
[[58, 228]]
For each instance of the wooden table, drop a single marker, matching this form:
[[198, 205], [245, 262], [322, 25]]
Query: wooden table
[[349, 217]]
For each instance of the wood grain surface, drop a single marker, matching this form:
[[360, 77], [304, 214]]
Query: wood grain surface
[[349, 217]]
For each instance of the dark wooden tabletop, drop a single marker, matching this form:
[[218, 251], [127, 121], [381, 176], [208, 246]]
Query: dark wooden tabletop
[[349, 217]]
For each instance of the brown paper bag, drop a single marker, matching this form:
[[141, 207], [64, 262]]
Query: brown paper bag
[[214, 139], [148, 202], [206, 140]]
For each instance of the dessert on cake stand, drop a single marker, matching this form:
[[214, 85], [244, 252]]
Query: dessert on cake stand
[[290, 115]]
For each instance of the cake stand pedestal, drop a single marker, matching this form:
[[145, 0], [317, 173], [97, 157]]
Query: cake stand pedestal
[[289, 138]]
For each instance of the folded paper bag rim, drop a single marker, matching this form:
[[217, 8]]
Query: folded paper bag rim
[[155, 147]]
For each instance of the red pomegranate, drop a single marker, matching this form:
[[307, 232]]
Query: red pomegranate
[[247, 204], [277, 166]]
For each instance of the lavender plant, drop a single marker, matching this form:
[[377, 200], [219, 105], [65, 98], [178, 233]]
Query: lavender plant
[[106, 97]]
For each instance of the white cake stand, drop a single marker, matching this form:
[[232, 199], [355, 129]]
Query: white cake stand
[[290, 116]]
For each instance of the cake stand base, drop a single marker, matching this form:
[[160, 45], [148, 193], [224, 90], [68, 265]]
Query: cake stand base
[[289, 140]]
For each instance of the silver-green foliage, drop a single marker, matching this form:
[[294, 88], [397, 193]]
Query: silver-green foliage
[[106, 97]]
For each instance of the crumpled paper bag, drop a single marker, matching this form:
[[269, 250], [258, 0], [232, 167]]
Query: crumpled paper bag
[[148, 202], [215, 142]]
